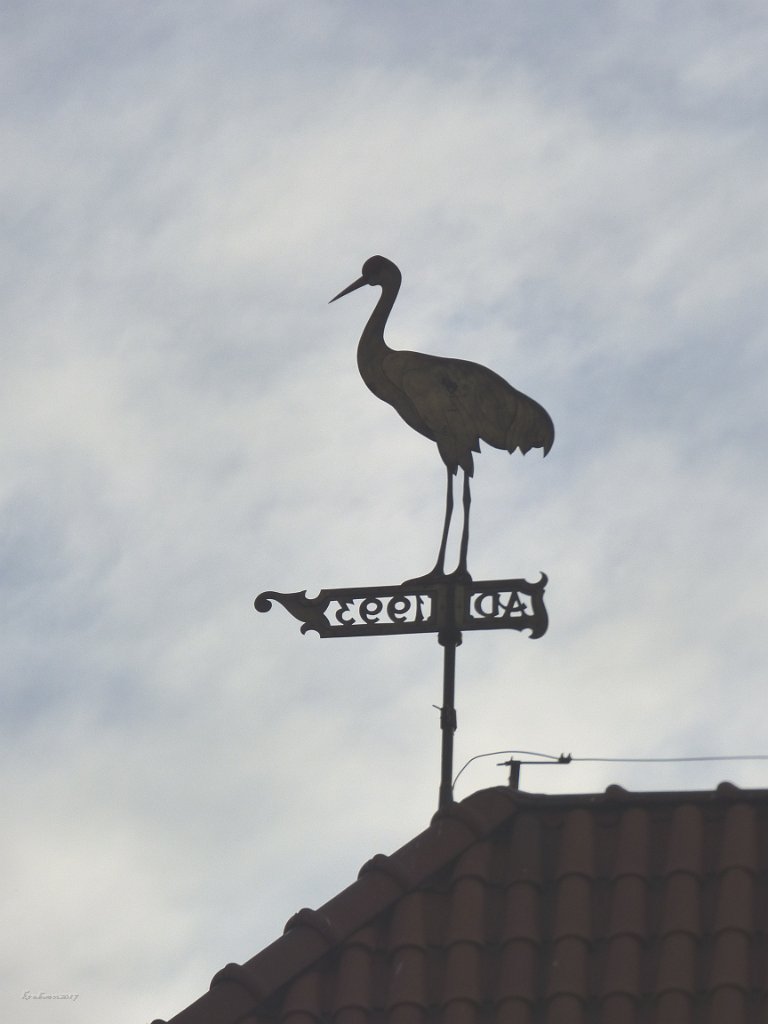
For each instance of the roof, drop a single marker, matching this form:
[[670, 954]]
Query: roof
[[518, 908]]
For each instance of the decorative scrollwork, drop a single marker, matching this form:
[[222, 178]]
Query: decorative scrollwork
[[307, 610], [358, 611]]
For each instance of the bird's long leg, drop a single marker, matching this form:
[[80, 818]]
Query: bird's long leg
[[467, 501], [439, 569]]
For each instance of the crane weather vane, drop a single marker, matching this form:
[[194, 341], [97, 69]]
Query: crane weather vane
[[457, 404], [453, 402]]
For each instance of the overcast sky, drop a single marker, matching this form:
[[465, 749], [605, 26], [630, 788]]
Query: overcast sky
[[576, 195]]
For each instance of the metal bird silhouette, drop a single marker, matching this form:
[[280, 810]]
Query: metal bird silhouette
[[453, 402]]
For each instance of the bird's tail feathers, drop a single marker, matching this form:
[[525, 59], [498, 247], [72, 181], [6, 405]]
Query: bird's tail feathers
[[531, 427]]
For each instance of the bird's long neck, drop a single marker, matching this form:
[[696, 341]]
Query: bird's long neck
[[372, 348]]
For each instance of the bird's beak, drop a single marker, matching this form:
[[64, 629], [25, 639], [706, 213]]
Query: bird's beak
[[355, 284]]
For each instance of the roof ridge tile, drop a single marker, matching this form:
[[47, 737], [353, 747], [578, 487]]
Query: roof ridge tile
[[390, 867], [470, 817], [243, 978], [317, 921], [475, 861], [366, 937]]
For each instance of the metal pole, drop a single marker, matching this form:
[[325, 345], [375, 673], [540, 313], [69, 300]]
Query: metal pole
[[448, 717]]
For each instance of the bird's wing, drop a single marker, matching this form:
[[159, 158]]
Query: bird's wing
[[503, 416], [462, 403]]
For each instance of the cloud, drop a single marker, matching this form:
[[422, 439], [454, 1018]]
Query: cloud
[[575, 199]]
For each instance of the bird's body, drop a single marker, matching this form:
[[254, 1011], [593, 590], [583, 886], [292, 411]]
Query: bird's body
[[457, 404], [453, 402]]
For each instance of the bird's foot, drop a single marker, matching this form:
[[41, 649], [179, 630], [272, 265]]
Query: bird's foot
[[438, 576]]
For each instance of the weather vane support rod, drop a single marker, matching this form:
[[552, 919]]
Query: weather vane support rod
[[450, 640]]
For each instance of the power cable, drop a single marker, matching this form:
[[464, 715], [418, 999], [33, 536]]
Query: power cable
[[568, 759]]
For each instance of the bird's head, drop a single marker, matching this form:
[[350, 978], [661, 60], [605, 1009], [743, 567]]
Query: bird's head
[[376, 270]]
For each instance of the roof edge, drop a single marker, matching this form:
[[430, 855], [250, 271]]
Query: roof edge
[[237, 990]]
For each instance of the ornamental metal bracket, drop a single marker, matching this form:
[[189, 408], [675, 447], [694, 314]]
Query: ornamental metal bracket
[[437, 606]]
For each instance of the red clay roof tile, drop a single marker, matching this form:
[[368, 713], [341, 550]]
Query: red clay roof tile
[[518, 973], [739, 839], [735, 900], [632, 853], [522, 913], [628, 907], [684, 850], [520, 909], [618, 1008], [623, 966], [681, 907], [576, 853]]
